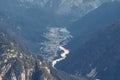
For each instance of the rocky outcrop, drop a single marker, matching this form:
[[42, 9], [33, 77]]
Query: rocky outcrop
[[16, 63]]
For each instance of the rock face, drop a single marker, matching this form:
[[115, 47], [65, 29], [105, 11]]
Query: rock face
[[16, 63]]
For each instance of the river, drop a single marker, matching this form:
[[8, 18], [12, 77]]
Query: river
[[63, 56]]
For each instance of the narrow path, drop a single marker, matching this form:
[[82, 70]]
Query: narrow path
[[63, 56]]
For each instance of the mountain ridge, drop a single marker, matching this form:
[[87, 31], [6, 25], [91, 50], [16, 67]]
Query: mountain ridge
[[17, 63]]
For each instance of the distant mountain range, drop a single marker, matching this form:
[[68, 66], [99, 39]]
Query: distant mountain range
[[76, 8]]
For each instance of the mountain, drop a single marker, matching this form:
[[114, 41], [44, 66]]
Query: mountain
[[27, 21], [86, 26], [98, 57], [102, 16], [17, 63], [29, 18], [94, 50], [75, 8]]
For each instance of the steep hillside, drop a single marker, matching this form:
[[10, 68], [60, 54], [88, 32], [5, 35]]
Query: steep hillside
[[98, 56], [17, 63], [83, 31], [84, 28], [102, 16]]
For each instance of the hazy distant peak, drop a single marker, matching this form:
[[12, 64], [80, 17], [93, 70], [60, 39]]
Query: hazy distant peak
[[65, 7]]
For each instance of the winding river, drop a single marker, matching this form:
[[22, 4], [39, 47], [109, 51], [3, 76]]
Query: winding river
[[63, 56]]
